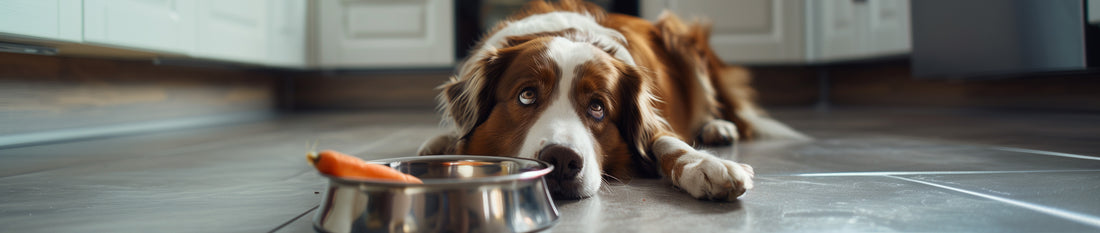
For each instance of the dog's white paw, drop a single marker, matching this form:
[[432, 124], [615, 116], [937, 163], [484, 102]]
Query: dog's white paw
[[719, 132], [707, 177]]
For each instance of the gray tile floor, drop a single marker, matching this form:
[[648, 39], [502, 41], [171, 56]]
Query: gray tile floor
[[869, 170]]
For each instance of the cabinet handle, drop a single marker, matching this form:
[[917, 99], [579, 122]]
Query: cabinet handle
[[859, 1]]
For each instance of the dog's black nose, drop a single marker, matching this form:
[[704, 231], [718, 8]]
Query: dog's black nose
[[567, 163]]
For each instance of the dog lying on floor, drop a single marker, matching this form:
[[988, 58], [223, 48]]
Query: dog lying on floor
[[598, 94]]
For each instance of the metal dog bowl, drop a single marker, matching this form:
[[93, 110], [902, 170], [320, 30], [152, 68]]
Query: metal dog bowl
[[459, 194]]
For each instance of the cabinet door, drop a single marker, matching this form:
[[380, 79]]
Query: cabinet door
[[232, 30], [386, 33], [157, 25], [286, 33], [843, 30], [744, 31], [838, 30], [888, 27], [49, 19]]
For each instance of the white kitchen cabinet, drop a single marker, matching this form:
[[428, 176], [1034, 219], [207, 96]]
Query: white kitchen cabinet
[[797, 31], [889, 29], [41, 19], [764, 31], [232, 30], [1092, 12], [385, 33], [261, 32], [266, 32], [844, 30], [166, 26], [837, 30], [286, 33]]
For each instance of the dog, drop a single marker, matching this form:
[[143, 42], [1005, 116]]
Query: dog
[[598, 95]]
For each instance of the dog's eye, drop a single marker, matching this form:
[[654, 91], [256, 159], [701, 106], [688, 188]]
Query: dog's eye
[[595, 109], [527, 96]]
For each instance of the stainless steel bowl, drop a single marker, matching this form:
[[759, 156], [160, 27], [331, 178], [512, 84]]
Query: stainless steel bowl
[[459, 194]]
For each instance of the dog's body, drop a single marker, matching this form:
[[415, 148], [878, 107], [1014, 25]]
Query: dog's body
[[599, 94]]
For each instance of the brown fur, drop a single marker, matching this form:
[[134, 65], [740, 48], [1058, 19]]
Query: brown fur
[[498, 137]]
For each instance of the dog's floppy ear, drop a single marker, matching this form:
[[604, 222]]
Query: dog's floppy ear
[[640, 122], [467, 98]]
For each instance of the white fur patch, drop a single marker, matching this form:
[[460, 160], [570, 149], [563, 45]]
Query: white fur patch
[[560, 123], [557, 21]]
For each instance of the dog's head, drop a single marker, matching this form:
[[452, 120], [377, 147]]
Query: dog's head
[[561, 99]]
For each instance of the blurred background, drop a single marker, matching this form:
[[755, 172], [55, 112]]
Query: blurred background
[[79, 68]]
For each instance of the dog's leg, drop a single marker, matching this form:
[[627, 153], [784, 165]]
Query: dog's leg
[[718, 132], [442, 144], [687, 46], [701, 174], [710, 128]]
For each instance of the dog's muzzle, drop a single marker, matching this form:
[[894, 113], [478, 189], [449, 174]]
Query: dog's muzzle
[[562, 181]]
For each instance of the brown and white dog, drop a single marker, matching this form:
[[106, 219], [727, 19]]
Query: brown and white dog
[[598, 94]]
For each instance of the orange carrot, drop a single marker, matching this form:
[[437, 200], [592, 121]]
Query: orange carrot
[[347, 166]]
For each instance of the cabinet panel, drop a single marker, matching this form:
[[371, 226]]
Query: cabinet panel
[[286, 33], [750, 31], [70, 18], [843, 30], [1092, 12], [386, 33], [232, 30], [157, 25], [838, 30], [889, 27], [49, 19], [797, 31]]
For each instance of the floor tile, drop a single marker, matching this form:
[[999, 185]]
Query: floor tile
[[1071, 193], [330, 129], [1070, 132], [238, 183], [801, 204], [253, 178]]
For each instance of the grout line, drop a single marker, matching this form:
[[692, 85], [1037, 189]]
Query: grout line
[[926, 173], [1074, 216], [294, 219], [1043, 152]]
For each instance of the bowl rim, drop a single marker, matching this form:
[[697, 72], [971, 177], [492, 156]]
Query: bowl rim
[[518, 177]]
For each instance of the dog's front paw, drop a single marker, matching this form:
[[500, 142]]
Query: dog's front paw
[[707, 177], [719, 132]]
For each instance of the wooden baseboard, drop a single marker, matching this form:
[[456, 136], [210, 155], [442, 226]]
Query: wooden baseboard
[[366, 90], [54, 94]]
